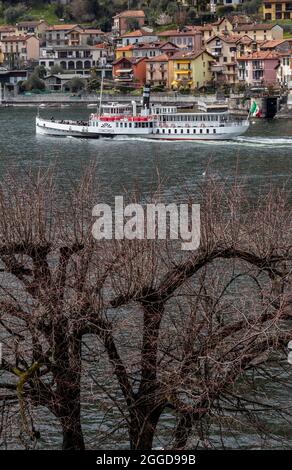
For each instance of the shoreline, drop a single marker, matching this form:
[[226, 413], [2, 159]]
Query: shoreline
[[62, 101], [54, 98]]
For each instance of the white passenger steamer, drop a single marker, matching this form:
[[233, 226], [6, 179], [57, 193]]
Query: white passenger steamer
[[151, 122]]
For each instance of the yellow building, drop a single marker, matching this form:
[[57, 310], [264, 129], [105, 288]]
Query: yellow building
[[277, 10], [124, 52], [190, 69]]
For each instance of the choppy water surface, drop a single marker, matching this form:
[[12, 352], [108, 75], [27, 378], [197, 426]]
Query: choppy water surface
[[262, 156], [264, 153]]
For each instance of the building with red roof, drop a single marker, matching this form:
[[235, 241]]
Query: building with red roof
[[259, 68], [122, 21]]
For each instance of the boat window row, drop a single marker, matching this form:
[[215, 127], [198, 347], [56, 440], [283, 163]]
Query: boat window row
[[192, 118], [186, 131], [167, 110], [116, 110], [128, 125], [135, 125]]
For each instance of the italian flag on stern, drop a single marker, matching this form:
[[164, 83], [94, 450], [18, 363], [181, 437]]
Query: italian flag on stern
[[255, 110]]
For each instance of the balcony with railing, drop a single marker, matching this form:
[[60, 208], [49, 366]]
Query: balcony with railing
[[74, 55], [217, 68], [123, 75], [183, 75], [182, 68]]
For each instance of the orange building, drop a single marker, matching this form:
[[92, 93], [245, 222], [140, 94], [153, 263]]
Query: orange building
[[128, 71], [124, 51]]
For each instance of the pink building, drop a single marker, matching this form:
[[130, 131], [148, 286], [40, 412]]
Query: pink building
[[259, 68], [19, 50]]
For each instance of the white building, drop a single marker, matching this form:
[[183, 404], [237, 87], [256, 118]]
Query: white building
[[215, 3], [137, 37], [77, 59], [284, 70]]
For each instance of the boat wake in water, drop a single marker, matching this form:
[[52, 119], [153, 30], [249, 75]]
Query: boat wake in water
[[258, 141], [284, 141], [252, 142]]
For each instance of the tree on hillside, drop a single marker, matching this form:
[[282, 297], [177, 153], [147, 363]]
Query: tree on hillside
[[34, 82], [201, 5], [40, 71], [250, 7], [138, 328], [13, 13], [75, 84], [56, 69], [172, 8], [224, 10], [132, 24], [85, 10]]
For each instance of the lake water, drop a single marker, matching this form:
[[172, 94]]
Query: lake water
[[262, 156]]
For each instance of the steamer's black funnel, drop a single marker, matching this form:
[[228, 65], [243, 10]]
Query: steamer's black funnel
[[146, 97]]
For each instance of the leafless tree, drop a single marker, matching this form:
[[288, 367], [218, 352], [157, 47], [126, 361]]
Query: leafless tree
[[147, 328]]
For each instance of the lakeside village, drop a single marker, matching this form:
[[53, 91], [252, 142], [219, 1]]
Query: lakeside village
[[234, 62]]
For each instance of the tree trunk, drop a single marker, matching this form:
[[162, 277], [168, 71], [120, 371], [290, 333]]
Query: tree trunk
[[152, 320], [72, 430], [143, 426], [68, 393], [183, 431], [141, 437], [145, 415]]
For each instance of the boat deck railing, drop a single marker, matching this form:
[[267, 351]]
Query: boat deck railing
[[201, 124], [67, 122]]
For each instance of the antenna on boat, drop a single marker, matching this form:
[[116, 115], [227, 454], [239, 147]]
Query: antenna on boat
[[101, 91]]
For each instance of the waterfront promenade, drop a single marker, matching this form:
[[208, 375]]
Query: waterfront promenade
[[60, 98]]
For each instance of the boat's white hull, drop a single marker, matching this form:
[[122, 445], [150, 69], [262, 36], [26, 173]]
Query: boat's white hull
[[52, 128], [221, 134]]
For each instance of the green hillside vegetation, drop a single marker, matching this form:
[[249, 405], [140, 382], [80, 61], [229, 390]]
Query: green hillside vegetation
[[99, 12], [45, 12]]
